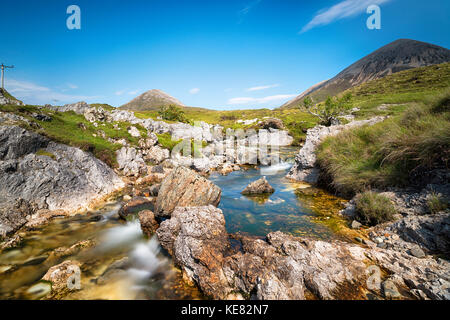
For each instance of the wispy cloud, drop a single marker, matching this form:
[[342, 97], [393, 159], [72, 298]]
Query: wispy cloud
[[72, 86], [343, 9], [258, 88], [37, 94], [244, 11], [119, 93], [269, 99], [134, 92], [194, 91]]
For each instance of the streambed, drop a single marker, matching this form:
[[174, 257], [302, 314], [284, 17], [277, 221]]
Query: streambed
[[120, 263]]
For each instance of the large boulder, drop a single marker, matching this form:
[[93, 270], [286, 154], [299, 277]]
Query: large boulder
[[185, 188], [59, 177], [287, 267], [197, 240], [259, 186]]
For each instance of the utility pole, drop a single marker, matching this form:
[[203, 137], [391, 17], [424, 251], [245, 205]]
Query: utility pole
[[3, 75]]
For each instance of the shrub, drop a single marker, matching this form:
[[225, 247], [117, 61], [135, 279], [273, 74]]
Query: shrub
[[372, 208], [330, 109], [436, 203], [172, 113]]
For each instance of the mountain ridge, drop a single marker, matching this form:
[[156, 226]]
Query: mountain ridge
[[399, 55], [151, 100]]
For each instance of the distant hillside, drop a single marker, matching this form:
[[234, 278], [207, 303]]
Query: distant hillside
[[397, 56], [151, 100]]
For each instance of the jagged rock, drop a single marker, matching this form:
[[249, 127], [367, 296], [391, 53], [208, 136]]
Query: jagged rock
[[134, 206], [70, 179], [304, 168], [157, 154], [134, 132], [185, 188], [258, 187], [41, 117], [197, 239], [130, 161], [285, 267], [431, 232], [14, 213], [390, 290], [60, 275], [150, 141], [148, 222]]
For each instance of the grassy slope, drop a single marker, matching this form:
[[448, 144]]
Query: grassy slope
[[65, 127], [400, 151]]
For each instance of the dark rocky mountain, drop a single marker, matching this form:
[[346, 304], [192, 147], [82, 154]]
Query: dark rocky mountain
[[397, 56], [151, 100]]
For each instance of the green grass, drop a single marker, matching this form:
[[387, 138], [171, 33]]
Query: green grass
[[7, 95], [396, 152], [436, 203], [65, 127], [165, 140], [43, 152], [373, 208]]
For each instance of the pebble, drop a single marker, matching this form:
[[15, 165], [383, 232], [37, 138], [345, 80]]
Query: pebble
[[356, 224], [126, 197], [378, 240], [417, 252]]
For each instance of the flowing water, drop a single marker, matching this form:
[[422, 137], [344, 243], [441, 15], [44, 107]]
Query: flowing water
[[118, 262]]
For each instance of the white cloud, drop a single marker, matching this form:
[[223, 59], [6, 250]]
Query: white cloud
[[343, 9], [243, 12], [134, 92], [247, 100], [72, 86], [194, 91], [119, 93], [36, 94], [262, 87]]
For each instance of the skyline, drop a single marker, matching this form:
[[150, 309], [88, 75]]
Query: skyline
[[218, 55]]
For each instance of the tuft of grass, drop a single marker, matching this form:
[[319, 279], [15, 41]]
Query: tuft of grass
[[165, 140], [43, 152], [373, 208], [437, 203], [395, 152]]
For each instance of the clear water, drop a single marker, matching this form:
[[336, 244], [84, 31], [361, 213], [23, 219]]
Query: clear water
[[150, 274], [258, 215]]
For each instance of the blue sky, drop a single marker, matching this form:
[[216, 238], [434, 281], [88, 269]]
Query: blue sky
[[216, 54]]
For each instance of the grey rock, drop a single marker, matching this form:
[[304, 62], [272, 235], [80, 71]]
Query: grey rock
[[259, 186], [130, 161], [71, 179], [417, 252], [185, 188], [304, 168], [390, 290]]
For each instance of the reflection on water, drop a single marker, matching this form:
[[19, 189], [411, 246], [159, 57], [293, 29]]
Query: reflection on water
[[117, 262], [258, 215]]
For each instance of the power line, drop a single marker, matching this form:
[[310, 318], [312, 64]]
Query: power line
[[3, 75]]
